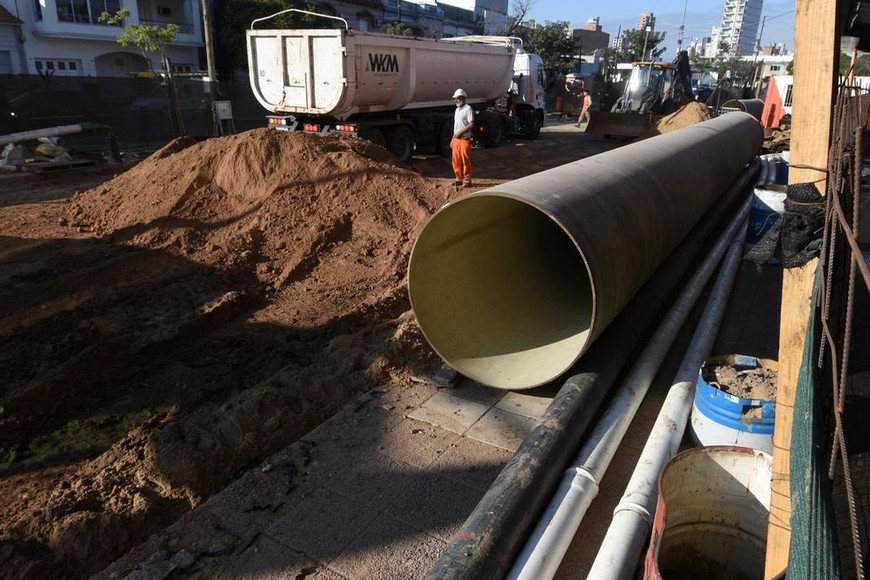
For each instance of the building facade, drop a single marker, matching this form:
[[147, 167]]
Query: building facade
[[646, 19], [591, 37], [66, 38], [740, 21]]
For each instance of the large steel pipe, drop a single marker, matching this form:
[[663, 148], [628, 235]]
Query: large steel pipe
[[511, 284]]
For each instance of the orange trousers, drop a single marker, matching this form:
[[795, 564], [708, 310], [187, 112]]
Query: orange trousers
[[461, 159]]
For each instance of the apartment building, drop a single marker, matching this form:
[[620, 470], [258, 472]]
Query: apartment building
[[591, 38], [740, 21], [66, 38], [646, 19]]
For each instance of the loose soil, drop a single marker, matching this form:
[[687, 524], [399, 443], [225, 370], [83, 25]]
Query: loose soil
[[168, 328], [758, 383], [689, 114], [175, 321]]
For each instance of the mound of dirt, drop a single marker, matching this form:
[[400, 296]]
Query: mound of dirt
[[206, 308], [689, 114]]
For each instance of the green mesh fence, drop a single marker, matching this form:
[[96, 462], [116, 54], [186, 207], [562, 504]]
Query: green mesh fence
[[814, 552]]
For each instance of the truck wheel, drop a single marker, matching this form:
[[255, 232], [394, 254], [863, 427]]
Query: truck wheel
[[533, 126], [495, 134], [375, 136], [402, 143], [445, 136]]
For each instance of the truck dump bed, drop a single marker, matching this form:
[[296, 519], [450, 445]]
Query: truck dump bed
[[342, 72]]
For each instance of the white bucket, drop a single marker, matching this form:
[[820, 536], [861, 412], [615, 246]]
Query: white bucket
[[768, 204]]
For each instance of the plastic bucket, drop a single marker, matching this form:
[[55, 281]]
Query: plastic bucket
[[711, 516], [768, 204], [782, 168], [722, 418]]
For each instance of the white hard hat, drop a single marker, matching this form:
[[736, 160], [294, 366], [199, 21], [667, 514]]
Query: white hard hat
[[459, 93]]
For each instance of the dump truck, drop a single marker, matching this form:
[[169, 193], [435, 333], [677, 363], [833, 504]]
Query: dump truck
[[395, 91], [654, 89]]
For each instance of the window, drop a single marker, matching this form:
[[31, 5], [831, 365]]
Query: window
[[37, 10], [84, 11], [99, 6], [60, 67], [774, 67], [164, 11], [786, 102]]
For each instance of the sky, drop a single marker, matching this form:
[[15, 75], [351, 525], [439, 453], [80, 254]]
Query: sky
[[700, 17]]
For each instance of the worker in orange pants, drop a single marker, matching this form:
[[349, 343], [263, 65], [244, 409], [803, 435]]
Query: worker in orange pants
[[463, 124]]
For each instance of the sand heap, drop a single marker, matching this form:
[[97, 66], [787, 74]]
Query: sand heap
[[331, 216], [689, 114], [211, 305]]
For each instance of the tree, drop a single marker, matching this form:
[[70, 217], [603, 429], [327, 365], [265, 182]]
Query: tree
[[238, 15], [633, 42], [148, 37], [151, 39], [398, 29], [519, 9], [862, 65], [552, 43], [735, 77]]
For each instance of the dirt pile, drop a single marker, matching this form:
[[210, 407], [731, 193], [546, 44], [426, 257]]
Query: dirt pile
[[689, 114], [202, 310]]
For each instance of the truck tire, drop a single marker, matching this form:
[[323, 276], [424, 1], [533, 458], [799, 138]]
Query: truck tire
[[495, 133], [533, 125], [374, 135], [402, 143], [445, 136]]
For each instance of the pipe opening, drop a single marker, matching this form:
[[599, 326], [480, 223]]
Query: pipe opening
[[501, 291]]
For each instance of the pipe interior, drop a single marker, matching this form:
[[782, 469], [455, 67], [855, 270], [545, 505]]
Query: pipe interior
[[501, 291]]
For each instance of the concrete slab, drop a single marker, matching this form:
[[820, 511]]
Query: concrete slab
[[450, 412], [501, 429], [520, 403]]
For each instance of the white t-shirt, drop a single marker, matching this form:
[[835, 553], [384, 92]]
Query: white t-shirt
[[462, 118]]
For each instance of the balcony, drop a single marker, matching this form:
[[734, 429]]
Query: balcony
[[183, 28]]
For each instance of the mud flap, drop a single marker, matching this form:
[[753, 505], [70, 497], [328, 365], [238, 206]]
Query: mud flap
[[618, 124]]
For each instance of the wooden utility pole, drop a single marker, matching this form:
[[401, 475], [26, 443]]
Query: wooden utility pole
[[207, 32], [817, 48]]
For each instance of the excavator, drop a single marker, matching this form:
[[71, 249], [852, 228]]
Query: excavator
[[653, 90]]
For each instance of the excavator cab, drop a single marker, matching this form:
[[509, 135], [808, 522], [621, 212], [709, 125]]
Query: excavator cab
[[648, 90], [653, 89]]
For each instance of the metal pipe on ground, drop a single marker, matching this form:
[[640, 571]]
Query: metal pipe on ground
[[512, 284], [493, 534]]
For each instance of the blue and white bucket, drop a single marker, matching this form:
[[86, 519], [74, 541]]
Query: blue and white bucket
[[720, 418], [768, 205]]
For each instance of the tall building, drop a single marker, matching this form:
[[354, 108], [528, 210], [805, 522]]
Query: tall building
[[740, 20], [646, 19], [591, 37]]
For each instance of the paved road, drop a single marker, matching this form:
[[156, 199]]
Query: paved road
[[560, 142]]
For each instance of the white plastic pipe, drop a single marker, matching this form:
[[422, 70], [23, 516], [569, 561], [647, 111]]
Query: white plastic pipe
[[38, 133], [632, 519], [542, 554]]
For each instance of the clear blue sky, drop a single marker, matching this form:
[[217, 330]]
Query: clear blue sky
[[700, 17]]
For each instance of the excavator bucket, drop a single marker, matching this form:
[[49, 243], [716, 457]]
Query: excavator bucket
[[618, 124]]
